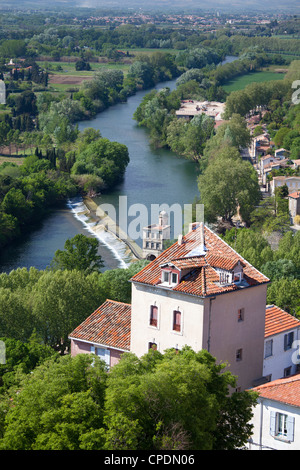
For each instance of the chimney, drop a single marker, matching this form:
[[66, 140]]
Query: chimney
[[200, 248], [201, 234]]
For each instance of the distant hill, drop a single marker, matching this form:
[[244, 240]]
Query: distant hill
[[185, 5]]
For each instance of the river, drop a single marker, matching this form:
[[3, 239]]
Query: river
[[152, 177]]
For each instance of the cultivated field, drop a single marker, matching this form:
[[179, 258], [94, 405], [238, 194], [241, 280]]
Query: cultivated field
[[239, 83]]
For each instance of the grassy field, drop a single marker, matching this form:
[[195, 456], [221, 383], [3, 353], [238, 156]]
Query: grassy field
[[64, 76], [239, 83], [17, 160]]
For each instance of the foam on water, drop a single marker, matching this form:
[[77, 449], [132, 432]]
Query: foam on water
[[116, 246]]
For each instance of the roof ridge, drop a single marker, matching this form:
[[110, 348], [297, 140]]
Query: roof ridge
[[280, 382], [116, 302]]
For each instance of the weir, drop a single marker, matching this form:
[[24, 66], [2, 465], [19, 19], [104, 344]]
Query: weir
[[107, 224]]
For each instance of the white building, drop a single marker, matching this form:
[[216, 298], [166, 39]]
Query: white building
[[190, 108], [292, 182], [276, 417], [282, 332], [154, 236]]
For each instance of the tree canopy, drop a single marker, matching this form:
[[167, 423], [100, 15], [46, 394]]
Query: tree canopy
[[80, 253], [226, 185], [171, 401]]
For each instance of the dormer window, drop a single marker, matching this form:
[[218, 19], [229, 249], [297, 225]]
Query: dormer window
[[237, 277], [169, 277]]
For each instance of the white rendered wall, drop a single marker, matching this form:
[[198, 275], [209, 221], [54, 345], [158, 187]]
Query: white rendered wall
[[274, 365], [261, 438], [167, 301]]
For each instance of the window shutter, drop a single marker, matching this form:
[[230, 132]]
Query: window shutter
[[107, 357], [176, 320], [92, 350], [153, 315], [273, 423], [290, 428]]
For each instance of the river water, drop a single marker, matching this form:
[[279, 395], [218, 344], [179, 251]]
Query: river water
[[153, 176]]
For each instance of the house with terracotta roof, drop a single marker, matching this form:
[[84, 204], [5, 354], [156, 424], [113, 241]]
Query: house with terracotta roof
[[276, 417], [282, 333], [106, 332], [198, 292]]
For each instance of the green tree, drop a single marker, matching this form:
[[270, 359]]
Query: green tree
[[59, 407], [151, 403], [226, 185], [285, 293], [80, 253], [289, 248], [20, 359], [282, 268], [251, 245], [61, 301], [16, 204]]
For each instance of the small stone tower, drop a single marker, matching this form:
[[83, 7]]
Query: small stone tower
[[154, 235]]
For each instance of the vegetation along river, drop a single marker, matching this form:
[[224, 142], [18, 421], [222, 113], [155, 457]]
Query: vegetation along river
[[152, 177]]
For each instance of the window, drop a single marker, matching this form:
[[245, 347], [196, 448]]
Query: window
[[176, 320], [282, 426], [239, 355], [153, 315], [152, 346], [169, 277], [287, 371], [241, 312], [103, 353], [269, 348], [288, 340]]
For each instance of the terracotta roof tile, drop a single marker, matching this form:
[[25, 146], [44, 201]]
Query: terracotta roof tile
[[277, 321], [286, 390], [203, 279], [109, 325], [186, 263], [295, 195], [223, 262]]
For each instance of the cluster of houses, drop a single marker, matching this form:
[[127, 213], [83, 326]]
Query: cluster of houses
[[261, 151], [266, 159], [200, 292]]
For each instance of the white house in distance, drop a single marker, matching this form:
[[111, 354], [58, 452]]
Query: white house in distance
[[190, 108], [292, 182], [154, 236], [276, 417], [198, 292], [282, 332]]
